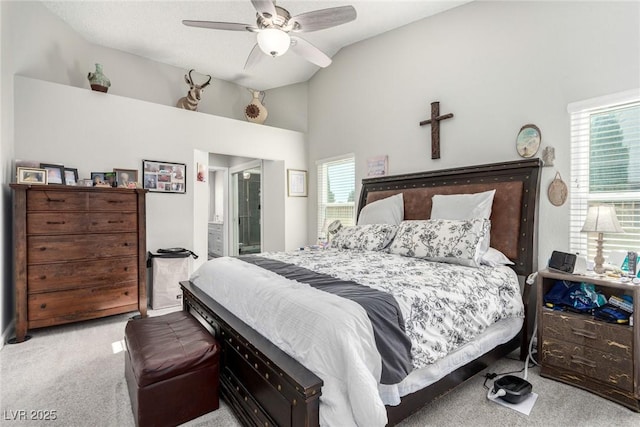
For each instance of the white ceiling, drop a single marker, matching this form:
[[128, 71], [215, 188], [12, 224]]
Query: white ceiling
[[153, 29]]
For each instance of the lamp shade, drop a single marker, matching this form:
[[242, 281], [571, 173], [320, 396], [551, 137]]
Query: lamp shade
[[273, 41], [602, 219]]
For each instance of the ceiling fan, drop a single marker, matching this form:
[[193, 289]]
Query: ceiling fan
[[274, 25]]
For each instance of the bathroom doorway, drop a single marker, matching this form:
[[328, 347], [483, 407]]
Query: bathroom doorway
[[247, 204]]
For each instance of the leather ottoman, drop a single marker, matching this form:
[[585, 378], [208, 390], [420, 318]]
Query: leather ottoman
[[171, 368]]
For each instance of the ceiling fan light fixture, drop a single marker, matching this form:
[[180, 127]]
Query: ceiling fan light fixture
[[273, 41]]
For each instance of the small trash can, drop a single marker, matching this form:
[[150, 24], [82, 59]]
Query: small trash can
[[168, 268]]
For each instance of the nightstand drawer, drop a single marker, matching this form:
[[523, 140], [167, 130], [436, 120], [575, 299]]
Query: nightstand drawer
[[605, 367], [582, 330]]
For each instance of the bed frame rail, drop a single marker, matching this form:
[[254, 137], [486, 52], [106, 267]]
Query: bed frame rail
[[263, 385]]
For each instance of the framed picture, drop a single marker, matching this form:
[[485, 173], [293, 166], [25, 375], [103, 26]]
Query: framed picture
[[98, 179], [110, 178], [71, 176], [528, 140], [55, 173], [126, 178], [296, 183], [377, 166], [164, 177], [32, 176]]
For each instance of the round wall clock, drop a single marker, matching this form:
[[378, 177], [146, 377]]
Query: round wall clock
[[528, 140]]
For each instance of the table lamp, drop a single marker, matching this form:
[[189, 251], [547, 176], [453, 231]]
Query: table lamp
[[601, 219]]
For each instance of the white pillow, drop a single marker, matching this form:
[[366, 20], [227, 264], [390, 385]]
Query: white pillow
[[389, 210], [451, 241], [495, 258], [464, 206]]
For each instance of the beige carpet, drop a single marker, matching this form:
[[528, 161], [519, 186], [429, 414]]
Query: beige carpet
[[74, 371]]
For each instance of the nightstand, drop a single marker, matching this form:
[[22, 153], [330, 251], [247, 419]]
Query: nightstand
[[597, 356]]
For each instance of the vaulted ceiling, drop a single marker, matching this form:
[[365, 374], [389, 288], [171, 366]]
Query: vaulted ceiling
[[154, 30]]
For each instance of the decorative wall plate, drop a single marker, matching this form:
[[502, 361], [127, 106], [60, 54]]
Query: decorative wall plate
[[528, 140], [557, 191]]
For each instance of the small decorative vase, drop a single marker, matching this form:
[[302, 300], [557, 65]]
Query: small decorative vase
[[99, 82], [256, 112]]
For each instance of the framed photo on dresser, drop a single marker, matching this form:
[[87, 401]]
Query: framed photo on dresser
[[71, 176], [31, 176], [55, 173]]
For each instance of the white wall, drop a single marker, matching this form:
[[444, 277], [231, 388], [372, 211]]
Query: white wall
[[496, 66], [37, 44], [93, 131]]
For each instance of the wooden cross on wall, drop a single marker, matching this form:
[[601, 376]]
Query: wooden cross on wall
[[434, 121]]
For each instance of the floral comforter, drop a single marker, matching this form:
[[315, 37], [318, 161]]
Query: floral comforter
[[444, 305]]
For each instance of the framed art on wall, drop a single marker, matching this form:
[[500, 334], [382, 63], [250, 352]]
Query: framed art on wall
[[296, 183], [164, 177], [528, 140]]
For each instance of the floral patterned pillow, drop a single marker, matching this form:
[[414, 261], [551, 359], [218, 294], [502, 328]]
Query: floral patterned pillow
[[370, 237], [444, 240]]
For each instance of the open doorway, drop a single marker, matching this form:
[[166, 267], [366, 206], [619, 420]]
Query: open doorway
[[247, 208]]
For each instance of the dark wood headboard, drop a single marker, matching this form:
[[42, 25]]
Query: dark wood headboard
[[515, 204]]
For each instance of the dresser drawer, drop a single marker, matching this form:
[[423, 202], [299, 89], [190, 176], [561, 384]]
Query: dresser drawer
[[43, 249], [113, 201], [95, 200], [57, 201], [80, 222], [72, 275], [579, 329], [606, 367], [72, 304]]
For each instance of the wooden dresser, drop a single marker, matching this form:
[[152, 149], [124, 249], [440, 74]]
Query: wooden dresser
[[79, 254], [591, 354]]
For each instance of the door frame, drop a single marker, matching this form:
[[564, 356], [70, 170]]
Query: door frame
[[233, 204]]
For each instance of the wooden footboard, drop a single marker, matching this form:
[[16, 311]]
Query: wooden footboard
[[263, 385]]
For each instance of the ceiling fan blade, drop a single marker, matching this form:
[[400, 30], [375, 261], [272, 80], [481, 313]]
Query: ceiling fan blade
[[309, 52], [265, 8], [255, 56], [324, 18], [232, 26]]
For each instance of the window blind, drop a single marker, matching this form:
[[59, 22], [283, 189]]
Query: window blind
[[336, 192], [605, 168]]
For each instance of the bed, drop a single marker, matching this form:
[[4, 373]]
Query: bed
[[264, 385]]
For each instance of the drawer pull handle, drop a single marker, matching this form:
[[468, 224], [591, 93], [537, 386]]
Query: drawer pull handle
[[55, 222], [115, 222], [43, 305], [114, 201], [583, 361], [584, 333], [43, 248], [56, 200], [126, 293], [43, 277], [126, 244]]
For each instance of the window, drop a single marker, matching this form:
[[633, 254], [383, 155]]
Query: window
[[336, 192], [605, 168]]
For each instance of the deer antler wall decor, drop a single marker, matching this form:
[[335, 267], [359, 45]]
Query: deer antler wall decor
[[190, 102]]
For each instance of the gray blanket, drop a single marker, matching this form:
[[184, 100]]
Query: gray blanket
[[384, 313]]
